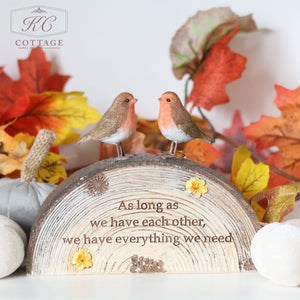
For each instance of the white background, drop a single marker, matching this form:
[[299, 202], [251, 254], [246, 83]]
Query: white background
[[114, 46]]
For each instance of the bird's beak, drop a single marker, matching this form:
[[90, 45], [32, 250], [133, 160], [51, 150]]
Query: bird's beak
[[159, 99], [135, 100]]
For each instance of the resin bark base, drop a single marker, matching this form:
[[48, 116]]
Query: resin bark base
[[135, 215]]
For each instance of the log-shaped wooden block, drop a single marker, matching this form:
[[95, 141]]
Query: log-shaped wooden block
[[135, 214]]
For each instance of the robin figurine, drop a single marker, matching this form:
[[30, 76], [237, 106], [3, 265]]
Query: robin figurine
[[117, 124], [176, 124]]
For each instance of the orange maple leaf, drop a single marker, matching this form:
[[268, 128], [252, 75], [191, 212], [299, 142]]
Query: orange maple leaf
[[282, 132], [12, 152], [153, 137], [277, 180], [201, 152], [220, 67]]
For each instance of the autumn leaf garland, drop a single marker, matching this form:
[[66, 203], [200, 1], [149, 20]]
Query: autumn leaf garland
[[36, 101]]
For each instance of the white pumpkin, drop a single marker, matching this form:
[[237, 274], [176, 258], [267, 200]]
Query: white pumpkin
[[12, 246], [20, 199], [10, 223], [275, 251]]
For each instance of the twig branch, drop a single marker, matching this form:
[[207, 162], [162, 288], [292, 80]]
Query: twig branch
[[212, 128], [226, 139]]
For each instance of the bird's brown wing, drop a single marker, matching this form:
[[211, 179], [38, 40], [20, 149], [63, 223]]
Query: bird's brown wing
[[187, 124], [110, 122]]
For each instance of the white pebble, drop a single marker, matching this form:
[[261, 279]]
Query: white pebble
[[275, 251]]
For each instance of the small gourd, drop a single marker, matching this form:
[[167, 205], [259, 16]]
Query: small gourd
[[21, 198], [275, 251], [12, 246]]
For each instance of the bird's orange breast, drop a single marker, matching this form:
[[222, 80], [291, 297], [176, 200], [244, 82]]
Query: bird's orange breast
[[130, 122], [165, 119]]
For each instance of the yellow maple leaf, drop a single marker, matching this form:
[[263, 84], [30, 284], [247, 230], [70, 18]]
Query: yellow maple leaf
[[239, 156], [280, 201], [248, 177], [51, 169], [12, 152]]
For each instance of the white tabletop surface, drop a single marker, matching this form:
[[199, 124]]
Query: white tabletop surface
[[145, 286]]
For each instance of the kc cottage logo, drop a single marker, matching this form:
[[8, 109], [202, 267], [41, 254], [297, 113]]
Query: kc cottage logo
[[39, 24]]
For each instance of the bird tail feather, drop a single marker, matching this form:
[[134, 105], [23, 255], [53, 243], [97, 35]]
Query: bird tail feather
[[83, 139], [208, 138]]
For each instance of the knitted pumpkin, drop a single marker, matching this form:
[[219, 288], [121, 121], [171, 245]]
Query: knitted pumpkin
[[21, 198]]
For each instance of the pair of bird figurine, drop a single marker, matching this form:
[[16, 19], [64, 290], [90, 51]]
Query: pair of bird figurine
[[119, 122]]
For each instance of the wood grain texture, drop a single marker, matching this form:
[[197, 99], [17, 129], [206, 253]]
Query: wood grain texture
[[95, 193]]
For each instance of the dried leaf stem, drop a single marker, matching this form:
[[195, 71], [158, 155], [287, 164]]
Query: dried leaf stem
[[186, 86], [212, 128]]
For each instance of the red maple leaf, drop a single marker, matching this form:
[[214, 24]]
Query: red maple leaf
[[282, 132], [13, 98], [35, 78], [35, 74], [220, 67]]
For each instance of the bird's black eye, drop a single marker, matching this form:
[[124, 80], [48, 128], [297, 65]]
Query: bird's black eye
[[168, 100], [127, 100]]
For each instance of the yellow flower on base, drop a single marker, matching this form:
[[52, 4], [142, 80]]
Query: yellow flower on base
[[82, 259], [196, 187]]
